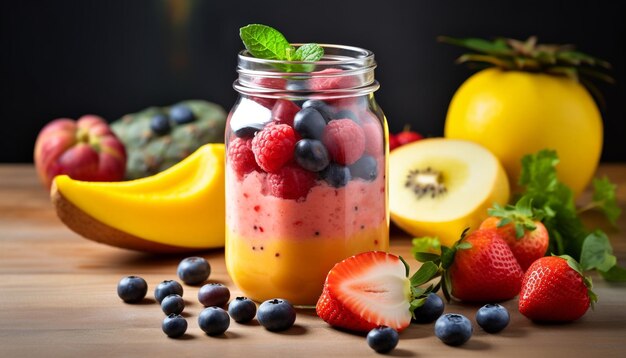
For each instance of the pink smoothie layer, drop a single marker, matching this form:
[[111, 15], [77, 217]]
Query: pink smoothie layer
[[325, 212]]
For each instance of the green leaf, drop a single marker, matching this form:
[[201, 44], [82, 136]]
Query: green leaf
[[605, 198], [406, 266], [427, 272], [464, 246], [427, 256], [425, 244], [264, 42], [497, 47], [447, 256], [309, 52], [446, 285], [597, 252], [615, 274]]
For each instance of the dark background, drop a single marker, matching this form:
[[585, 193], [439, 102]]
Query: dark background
[[67, 58]]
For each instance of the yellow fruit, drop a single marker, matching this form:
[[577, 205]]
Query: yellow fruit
[[179, 209], [515, 113], [439, 187]]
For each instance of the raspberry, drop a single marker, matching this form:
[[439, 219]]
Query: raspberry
[[373, 139], [284, 111], [291, 182], [330, 78], [273, 147], [344, 140], [240, 156]]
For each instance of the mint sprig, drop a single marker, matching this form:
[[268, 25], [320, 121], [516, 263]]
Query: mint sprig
[[265, 42], [568, 235]]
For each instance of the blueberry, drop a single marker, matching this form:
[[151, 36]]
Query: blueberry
[[321, 106], [346, 113], [297, 86], [276, 314], [160, 124], [430, 310], [181, 114], [242, 309], [382, 339], [365, 168], [336, 175], [492, 317], [213, 321], [312, 155], [213, 294], [174, 325], [167, 288], [193, 270], [453, 329], [172, 304], [310, 123], [132, 289]]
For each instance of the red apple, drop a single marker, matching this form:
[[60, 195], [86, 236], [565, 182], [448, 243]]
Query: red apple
[[85, 149]]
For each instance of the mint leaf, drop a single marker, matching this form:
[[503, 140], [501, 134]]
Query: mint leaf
[[597, 252], [426, 244], [309, 52], [264, 42], [605, 199]]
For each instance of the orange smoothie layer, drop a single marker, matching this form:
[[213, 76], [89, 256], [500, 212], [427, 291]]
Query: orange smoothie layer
[[271, 267]]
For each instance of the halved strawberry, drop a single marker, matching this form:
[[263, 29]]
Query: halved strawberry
[[372, 289]]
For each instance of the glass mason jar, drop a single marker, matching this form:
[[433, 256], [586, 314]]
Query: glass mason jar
[[306, 165]]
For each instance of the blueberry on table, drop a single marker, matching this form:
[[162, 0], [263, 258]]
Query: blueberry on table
[[321, 106], [174, 325], [213, 321], [242, 309], [430, 310], [276, 314], [181, 114], [382, 339], [132, 289], [172, 304], [213, 294], [492, 317], [311, 154], [365, 168], [453, 329], [309, 123], [160, 124], [193, 270], [167, 288], [336, 175]]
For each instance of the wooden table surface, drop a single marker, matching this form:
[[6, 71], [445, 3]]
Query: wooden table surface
[[58, 298]]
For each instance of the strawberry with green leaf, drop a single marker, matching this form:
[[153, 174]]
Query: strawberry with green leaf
[[373, 289], [521, 228], [554, 289], [480, 267]]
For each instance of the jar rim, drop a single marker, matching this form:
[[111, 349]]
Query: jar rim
[[355, 56]]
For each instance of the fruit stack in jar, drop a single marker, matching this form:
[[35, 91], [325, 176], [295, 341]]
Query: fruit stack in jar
[[307, 178]]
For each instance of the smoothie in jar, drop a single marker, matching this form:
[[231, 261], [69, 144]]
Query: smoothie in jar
[[306, 165]]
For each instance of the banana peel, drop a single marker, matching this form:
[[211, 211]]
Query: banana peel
[[181, 209]]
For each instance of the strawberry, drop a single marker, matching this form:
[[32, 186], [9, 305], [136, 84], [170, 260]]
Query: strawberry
[[393, 142], [480, 267], [527, 237], [372, 289], [554, 289], [345, 140], [407, 136]]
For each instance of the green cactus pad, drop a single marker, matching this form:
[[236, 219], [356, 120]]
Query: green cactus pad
[[150, 153]]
